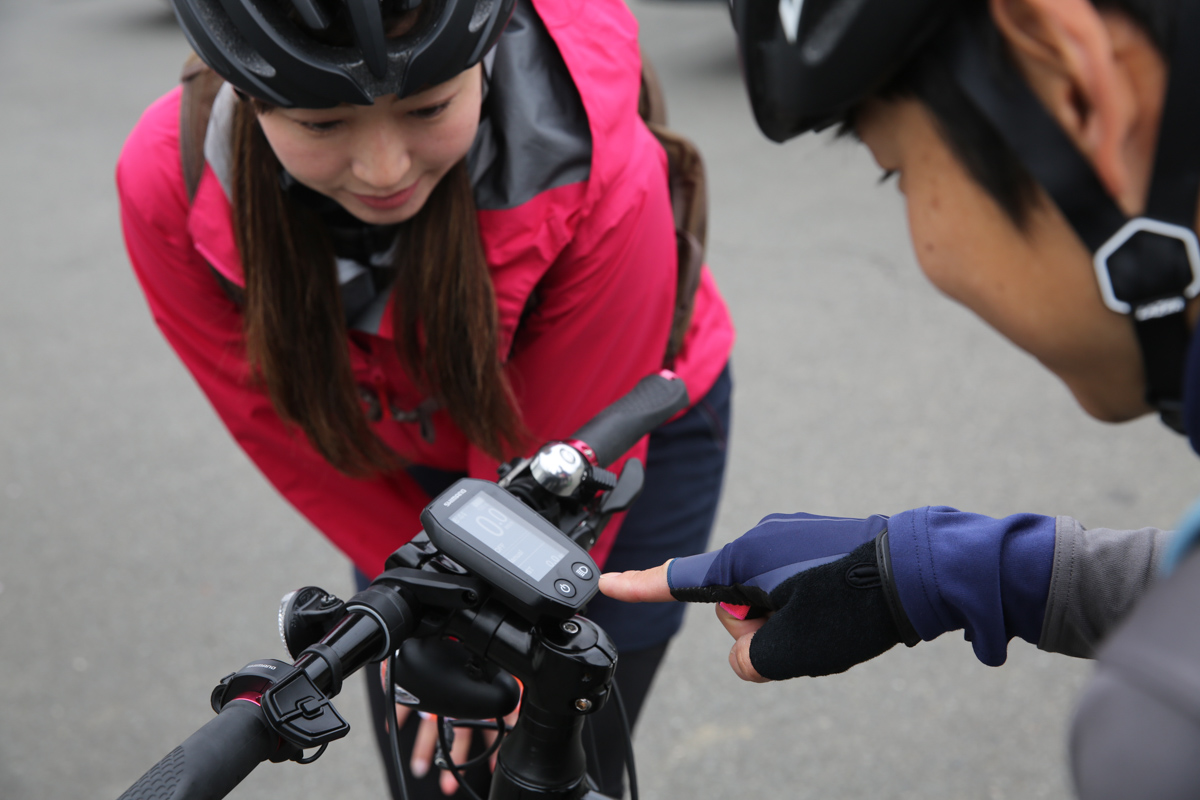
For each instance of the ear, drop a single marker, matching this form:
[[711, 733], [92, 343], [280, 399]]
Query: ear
[[1100, 76]]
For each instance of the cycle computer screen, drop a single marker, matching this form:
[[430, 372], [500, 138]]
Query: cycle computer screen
[[519, 543], [527, 561]]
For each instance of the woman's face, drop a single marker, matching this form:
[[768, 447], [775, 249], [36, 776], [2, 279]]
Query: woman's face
[[380, 162]]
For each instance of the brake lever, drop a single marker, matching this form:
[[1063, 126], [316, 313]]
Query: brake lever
[[629, 486]]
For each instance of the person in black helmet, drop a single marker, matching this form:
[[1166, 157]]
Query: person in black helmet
[[398, 242], [1049, 155]]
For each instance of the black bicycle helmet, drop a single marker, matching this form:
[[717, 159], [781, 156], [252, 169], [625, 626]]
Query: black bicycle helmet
[[274, 50], [807, 63]]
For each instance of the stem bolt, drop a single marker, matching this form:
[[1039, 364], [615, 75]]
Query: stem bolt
[[583, 704], [571, 628]]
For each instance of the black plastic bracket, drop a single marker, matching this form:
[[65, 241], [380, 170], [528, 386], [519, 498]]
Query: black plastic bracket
[[440, 589], [430, 590], [293, 706], [299, 712]]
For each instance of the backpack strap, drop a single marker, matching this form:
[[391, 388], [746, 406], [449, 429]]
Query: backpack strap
[[200, 87], [652, 103], [689, 203]]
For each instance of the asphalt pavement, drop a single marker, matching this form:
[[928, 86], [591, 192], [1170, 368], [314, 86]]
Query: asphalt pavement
[[142, 556]]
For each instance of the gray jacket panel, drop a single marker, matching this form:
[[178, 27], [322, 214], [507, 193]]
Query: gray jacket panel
[[1136, 732], [534, 134], [1097, 577]]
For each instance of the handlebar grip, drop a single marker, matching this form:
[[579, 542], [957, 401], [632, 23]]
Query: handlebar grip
[[213, 760], [653, 401]]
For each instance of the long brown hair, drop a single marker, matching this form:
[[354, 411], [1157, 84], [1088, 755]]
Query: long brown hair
[[444, 310]]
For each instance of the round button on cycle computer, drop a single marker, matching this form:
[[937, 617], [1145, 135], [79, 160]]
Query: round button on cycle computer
[[582, 571], [565, 588]]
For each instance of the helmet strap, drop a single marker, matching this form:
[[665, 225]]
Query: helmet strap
[[1147, 267]]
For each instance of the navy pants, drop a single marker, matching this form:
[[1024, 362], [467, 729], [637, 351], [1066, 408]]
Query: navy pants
[[685, 470]]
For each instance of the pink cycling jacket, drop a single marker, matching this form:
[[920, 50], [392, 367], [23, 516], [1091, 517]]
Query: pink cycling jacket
[[600, 249]]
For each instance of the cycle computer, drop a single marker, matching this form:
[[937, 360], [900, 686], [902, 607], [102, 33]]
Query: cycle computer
[[525, 559]]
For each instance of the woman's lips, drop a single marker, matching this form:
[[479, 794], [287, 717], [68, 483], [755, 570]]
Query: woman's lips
[[384, 203]]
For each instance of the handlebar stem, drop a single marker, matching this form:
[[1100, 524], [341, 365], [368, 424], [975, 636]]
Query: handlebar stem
[[542, 758], [566, 666]]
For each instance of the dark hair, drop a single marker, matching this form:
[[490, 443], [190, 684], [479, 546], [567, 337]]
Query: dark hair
[[445, 318], [972, 138]]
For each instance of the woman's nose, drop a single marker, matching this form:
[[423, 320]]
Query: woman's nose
[[381, 160]]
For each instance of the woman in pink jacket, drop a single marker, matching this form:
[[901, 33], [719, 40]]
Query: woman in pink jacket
[[427, 236]]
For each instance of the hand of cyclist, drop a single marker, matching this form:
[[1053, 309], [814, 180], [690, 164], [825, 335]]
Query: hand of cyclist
[[425, 745], [801, 594]]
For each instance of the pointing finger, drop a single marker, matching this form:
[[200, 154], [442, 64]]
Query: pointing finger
[[638, 586]]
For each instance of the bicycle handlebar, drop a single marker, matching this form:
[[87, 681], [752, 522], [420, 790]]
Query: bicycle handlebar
[[654, 400], [213, 760], [218, 756]]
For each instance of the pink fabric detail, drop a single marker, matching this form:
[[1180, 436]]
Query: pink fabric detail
[[736, 611], [708, 342], [212, 228]]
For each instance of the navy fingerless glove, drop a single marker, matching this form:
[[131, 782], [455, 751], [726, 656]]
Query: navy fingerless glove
[[826, 581]]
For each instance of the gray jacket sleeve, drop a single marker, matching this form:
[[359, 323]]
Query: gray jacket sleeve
[[1097, 577]]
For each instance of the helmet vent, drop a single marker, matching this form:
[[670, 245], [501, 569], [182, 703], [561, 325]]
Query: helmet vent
[[479, 18], [366, 17], [828, 33], [312, 14]]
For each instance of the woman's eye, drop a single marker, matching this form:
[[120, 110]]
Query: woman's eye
[[429, 112], [321, 127]]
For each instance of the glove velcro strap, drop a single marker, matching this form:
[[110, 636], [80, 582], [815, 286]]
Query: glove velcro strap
[[883, 555], [738, 595]]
